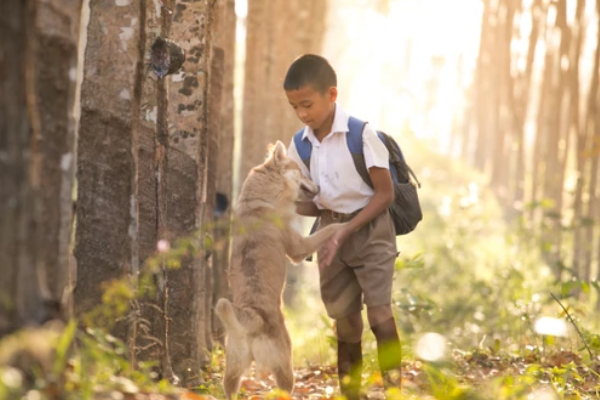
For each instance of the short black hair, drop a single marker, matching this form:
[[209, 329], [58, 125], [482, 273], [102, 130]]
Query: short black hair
[[310, 69]]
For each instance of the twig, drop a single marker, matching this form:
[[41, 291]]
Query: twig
[[574, 324]]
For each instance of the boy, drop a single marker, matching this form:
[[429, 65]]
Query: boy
[[359, 261]]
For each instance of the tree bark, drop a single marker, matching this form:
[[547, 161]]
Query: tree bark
[[540, 147], [106, 171], [575, 129], [557, 154], [214, 118], [502, 96], [58, 31], [186, 183], [150, 326], [269, 52], [591, 125], [521, 100], [482, 89], [224, 38], [38, 125]]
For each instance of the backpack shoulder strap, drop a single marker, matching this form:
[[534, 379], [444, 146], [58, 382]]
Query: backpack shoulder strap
[[304, 147], [354, 135], [355, 145]]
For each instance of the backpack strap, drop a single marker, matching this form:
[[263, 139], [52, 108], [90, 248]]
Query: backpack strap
[[354, 138], [354, 135], [304, 147]]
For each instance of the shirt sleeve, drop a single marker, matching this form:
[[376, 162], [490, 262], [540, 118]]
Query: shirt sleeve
[[292, 153], [376, 154]]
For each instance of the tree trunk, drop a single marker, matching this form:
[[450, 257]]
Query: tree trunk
[[57, 28], [503, 94], [269, 52], [37, 122], [188, 289], [150, 327], [217, 70], [575, 129], [591, 125], [255, 82], [556, 158], [224, 38], [482, 89], [521, 100], [541, 144], [106, 170]]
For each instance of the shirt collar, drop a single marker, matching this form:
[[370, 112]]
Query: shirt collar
[[340, 124]]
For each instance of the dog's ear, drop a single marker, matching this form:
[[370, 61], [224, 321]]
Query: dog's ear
[[279, 152]]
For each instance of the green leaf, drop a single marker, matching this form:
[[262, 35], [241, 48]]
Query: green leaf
[[497, 345], [585, 287], [62, 349]]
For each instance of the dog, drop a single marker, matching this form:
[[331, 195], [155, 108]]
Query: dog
[[263, 236]]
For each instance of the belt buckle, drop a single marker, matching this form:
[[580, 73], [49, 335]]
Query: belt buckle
[[336, 215]]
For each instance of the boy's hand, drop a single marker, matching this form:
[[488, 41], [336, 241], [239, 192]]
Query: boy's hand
[[329, 250]]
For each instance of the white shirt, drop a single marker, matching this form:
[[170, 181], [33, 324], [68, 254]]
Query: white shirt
[[332, 168]]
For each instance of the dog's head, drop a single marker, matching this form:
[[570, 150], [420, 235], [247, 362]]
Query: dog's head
[[296, 184]]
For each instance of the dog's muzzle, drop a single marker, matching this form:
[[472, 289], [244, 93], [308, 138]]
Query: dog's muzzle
[[309, 190]]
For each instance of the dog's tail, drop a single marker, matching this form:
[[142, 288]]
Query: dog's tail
[[226, 313], [230, 315]]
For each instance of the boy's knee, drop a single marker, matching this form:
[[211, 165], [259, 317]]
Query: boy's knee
[[379, 314], [350, 328]]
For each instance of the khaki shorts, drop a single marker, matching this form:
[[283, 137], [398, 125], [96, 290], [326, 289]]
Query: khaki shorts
[[363, 269]]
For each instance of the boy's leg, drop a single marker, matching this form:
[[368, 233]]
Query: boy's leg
[[349, 354], [389, 351], [374, 269], [342, 297]]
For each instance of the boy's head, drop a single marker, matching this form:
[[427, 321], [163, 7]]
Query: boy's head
[[310, 86], [310, 69]]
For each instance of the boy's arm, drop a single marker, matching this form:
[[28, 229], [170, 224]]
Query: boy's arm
[[377, 162], [382, 198]]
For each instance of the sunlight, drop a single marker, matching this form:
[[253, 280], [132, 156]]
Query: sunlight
[[162, 246], [551, 327], [329, 390], [446, 207], [472, 196], [431, 347], [241, 8], [11, 377], [543, 393], [410, 66]]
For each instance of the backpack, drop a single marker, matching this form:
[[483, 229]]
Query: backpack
[[405, 210]]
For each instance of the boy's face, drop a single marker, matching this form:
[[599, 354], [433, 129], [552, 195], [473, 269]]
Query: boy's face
[[312, 107]]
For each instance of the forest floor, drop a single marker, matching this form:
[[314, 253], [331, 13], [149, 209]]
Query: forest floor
[[29, 371], [468, 375]]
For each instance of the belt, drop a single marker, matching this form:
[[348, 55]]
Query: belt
[[337, 216]]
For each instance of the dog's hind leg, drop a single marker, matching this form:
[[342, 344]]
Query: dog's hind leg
[[274, 354], [237, 361], [231, 382], [283, 365], [284, 376]]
